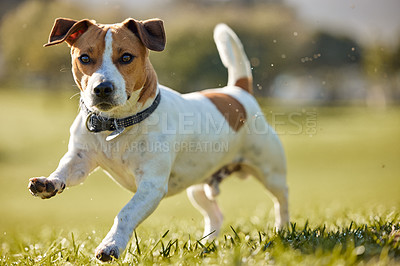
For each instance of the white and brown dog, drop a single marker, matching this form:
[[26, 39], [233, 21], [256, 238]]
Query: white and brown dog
[[154, 141]]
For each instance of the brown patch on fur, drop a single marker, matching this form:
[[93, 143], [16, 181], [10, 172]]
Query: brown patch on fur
[[151, 32], [150, 86], [131, 36], [94, 49], [68, 30], [139, 74], [246, 84], [134, 73], [229, 107]]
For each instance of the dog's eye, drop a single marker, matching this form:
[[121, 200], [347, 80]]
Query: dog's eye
[[126, 58], [85, 59]]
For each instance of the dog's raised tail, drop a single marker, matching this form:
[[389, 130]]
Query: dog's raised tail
[[233, 57]]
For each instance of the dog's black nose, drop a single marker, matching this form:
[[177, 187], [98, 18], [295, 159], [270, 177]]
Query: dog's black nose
[[104, 89]]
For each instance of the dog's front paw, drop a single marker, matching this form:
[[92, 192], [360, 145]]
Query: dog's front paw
[[44, 187], [107, 252]]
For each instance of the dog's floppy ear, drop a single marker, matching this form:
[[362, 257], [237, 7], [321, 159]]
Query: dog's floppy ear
[[68, 30], [150, 32]]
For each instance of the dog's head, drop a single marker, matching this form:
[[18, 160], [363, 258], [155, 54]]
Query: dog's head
[[110, 62]]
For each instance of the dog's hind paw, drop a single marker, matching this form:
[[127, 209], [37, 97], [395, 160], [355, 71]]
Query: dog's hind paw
[[107, 253], [45, 188]]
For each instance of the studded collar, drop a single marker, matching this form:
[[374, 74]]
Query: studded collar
[[96, 123]]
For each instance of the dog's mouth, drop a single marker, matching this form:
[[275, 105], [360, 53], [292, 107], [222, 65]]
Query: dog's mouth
[[104, 106]]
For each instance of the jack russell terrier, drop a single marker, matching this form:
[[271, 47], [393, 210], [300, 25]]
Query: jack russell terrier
[[154, 141]]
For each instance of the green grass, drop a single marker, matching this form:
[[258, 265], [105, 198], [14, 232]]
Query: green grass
[[374, 242], [343, 174]]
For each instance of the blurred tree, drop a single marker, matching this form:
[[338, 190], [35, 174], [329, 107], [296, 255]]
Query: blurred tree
[[23, 33], [232, 2], [7, 5], [379, 65], [332, 51], [272, 37], [377, 61], [396, 70], [395, 58]]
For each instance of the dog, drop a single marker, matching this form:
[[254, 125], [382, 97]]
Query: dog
[[153, 140]]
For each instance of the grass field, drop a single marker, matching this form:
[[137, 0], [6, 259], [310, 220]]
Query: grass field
[[343, 174]]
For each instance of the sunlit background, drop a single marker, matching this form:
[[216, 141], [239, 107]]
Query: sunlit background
[[327, 74]]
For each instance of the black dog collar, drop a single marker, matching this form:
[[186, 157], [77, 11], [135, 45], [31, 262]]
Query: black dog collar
[[96, 123]]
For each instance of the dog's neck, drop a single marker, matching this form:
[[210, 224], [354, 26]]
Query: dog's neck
[[150, 88]]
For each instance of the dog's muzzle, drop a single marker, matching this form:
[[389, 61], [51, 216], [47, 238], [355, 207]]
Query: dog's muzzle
[[104, 90], [103, 96]]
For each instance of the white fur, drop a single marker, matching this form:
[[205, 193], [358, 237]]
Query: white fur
[[232, 53], [179, 146], [107, 72]]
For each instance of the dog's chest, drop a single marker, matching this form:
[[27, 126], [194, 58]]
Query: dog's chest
[[195, 160], [114, 160]]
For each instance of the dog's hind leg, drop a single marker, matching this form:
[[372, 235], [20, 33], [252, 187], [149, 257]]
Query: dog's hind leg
[[276, 184], [209, 208], [274, 180], [272, 174]]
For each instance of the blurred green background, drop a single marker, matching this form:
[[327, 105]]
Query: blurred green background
[[331, 92]]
